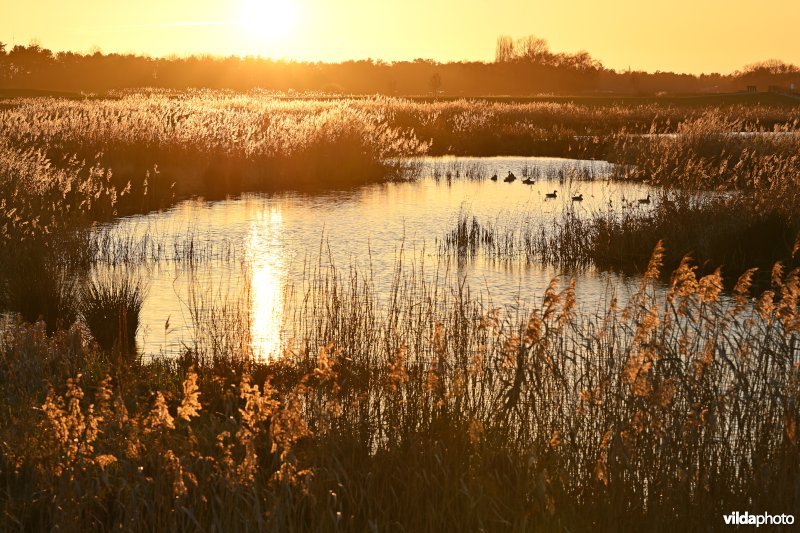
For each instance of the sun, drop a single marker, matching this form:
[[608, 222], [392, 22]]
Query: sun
[[268, 21]]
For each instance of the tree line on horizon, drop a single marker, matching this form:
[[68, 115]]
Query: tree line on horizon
[[522, 67]]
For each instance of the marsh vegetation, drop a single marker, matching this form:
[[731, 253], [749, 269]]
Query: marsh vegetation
[[400, 342]]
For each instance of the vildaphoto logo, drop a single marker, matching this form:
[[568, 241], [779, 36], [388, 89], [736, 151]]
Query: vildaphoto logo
[[764, 519]]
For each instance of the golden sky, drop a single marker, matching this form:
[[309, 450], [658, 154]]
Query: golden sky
[[680, 35]]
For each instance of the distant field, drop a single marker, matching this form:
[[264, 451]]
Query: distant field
[[689, 99], [32, 93], [693, 100]]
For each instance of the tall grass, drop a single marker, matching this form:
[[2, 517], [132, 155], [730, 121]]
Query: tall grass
[[710, 152], [39, 198], [565, 241], [730, 233], [729, 199], [485, 127], [111, 304], [429, 409], [150, 244], [41, 208], [217, 143], [220, 316], [35, 284], [732, 198], [436, 413]]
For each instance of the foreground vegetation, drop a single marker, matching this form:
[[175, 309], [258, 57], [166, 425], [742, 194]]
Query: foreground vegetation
[[436, 413]]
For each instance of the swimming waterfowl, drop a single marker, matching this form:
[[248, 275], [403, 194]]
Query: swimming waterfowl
[[578, 198], [528, 181], [551, 195], [494, 177], [645, 200], [511, 177]]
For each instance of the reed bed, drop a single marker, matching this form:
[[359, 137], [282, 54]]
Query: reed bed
[[220, 142], [35, 283], [716, 151], [216, 143], [731, 233], [731, 195], [41, 208], [564, 241], [472, 170], [726, 197], [428, 409], [485, 127], [39, 198], [435, 411]]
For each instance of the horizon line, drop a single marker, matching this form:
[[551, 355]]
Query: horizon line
[[262, 57]]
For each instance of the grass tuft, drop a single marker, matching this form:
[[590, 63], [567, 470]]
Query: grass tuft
[[111, 307]]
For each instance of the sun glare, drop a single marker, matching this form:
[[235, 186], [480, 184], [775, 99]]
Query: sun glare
[[268, 279], [268, 21]]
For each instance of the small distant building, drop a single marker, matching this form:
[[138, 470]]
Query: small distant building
[[752, 89]]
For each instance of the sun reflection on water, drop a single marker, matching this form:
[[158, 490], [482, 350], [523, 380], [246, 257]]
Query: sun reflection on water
[[266, 256]]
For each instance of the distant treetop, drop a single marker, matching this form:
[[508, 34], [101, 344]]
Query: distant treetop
[[771, 66], [532, 49]]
